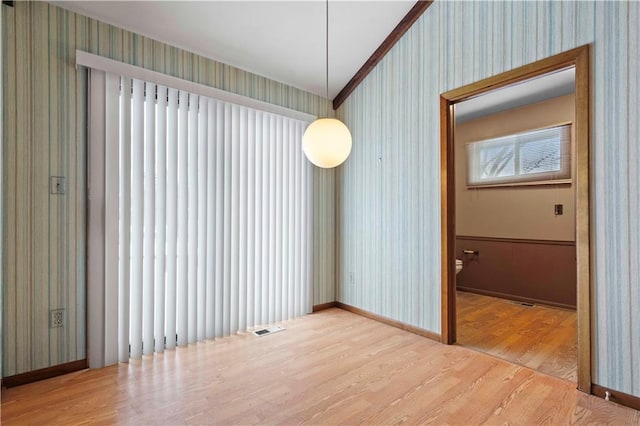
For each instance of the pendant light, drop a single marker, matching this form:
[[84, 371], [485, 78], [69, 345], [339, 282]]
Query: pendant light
[[327, 141]]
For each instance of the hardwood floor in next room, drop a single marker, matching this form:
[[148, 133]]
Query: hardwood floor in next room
[[331, 367], [539, 337]]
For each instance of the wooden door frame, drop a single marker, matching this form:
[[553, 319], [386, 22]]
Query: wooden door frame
[[578, 58]]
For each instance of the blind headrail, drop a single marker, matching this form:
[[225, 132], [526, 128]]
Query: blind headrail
[[90, 60]]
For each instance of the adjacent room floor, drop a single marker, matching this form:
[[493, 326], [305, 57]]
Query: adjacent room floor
[[326, 368], [539, 337]]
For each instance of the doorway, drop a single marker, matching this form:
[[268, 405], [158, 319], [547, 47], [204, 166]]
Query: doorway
[[579, 59]]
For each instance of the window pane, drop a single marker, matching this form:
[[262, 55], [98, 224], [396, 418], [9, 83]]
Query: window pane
[[496, 161], [540, 156]]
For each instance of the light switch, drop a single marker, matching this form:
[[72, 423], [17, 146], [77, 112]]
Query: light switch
[[57, 185], [558, 209]]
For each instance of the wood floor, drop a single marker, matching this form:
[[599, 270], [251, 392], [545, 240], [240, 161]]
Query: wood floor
[[332, 367], [537, 337]]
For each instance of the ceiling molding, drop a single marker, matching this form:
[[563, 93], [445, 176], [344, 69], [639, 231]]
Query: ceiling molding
[[403, 26]]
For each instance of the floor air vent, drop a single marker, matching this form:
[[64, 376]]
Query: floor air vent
[[267, 331], [525, 304]]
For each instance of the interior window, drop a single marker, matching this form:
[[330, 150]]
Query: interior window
[[533, 157]]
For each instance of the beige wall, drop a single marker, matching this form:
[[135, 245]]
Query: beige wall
[[525, 212]]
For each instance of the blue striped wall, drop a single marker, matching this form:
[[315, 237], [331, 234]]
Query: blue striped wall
[[388, 191], [44, 123]]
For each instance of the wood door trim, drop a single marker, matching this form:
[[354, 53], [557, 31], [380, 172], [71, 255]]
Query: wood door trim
[[616, 396], [447, 293], [396, 34], [584, 212], [580, 59]]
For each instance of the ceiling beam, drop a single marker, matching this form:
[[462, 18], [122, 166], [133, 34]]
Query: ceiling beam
[[412, 16]]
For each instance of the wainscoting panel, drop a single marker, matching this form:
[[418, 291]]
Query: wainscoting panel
[[535, 271], [388, 199]]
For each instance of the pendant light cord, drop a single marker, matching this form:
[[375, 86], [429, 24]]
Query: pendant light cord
[[326, 46]]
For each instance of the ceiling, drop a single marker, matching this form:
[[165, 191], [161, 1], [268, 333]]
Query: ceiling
[[281, 40], [528, 92]]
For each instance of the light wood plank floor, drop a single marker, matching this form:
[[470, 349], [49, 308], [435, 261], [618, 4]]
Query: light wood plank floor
[[538, 337], [332, 367]]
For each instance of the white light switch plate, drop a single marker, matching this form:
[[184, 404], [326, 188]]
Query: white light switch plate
[[57, 185]]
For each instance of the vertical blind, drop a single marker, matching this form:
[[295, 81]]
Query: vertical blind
[[207, 218]]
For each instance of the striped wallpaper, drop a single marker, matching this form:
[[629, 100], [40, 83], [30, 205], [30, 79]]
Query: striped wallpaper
[[388, 191], [44, 120]]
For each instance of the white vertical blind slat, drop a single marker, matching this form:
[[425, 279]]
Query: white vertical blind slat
[[96, 195], [149, 229], [137, 214], [307, 290], [210, 218], [111, 209], [297, 227], [278, 220], [291, 149], [182, 269], [273, 220], [259, 219], [124, 226], [285, 220], [266, 225], [304, 245], [202, 219], [220, 215], [251, 235], [172, 220], [242, 219], [227, 309], [192, 221], [161, 218], [235, 218], [299, 161]]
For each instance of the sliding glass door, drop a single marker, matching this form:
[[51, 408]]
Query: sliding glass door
[[206, 228]]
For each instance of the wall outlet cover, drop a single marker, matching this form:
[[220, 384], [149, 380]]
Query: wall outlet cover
[[57, 318]]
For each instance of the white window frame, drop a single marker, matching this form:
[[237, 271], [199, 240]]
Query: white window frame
[[517, 141]]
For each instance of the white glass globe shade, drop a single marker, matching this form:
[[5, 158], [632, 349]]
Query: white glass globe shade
[[327, 142]]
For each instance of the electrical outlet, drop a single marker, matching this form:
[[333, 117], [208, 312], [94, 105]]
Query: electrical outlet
[[57, 318]]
